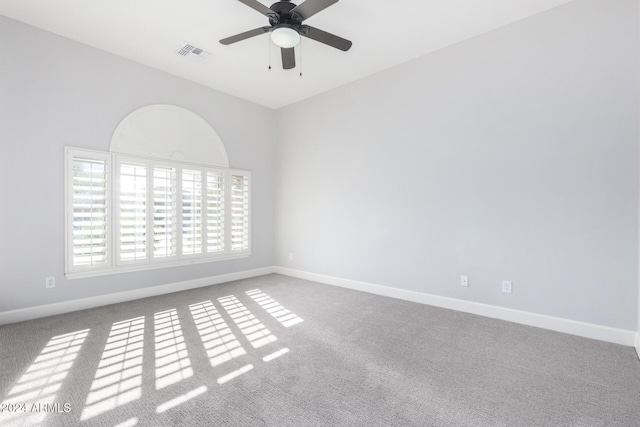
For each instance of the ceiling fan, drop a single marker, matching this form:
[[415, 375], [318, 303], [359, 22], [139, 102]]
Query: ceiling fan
[[286, 27]]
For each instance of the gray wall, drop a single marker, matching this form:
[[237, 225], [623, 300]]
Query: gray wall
[[513, 155], [55, 92]]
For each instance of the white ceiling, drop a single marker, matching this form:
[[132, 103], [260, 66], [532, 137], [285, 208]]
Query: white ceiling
[[384, 34]]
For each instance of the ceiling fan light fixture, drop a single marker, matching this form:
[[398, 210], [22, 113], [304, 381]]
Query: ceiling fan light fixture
[[285, 37]]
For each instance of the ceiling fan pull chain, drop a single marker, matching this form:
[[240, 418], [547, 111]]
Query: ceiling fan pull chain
[[300, 57], [269, 41]]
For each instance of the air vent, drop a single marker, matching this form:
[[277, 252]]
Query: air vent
[[190, 51]]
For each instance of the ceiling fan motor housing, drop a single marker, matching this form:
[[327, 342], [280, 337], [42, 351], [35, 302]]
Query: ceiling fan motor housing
[[283, 14]]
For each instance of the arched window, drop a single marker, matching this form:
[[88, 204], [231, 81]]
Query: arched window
[[163, 195]]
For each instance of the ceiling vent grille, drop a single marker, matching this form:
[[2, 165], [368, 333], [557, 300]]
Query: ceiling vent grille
[[190, 51]]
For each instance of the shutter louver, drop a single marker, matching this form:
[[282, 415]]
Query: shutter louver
[[191, 212], [239, 212], [89, 212], [215, 212], [133, 212], [165, 219]]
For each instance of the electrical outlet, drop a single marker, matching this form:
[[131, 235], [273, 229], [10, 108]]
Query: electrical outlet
[[506, 286], [50, 282], [464, 280], [290, 256]]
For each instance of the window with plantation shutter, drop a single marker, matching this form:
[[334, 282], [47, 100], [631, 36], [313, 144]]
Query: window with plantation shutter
[[240, 219], [165, 213], [88, 210], [132, 212], [127, 213], [191, 212], [215, 212]]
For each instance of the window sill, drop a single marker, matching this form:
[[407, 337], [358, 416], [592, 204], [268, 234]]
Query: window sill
[[156, 266]]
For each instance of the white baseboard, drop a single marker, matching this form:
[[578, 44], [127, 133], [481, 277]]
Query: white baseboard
[[583, 329], [98, 301]]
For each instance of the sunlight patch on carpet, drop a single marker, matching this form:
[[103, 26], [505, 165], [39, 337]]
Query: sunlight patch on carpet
[[234, 374], [180, 399], [219, 342], [172, 358], [281, 314], [257, 334], [118, 379], [128, 423], [33, 396], [275, 354]]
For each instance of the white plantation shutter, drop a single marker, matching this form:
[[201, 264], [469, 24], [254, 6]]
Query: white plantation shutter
[[126, 213], [240, 212], [88, 210], [165, 212], [215, 212], [191, 212], [132, 212]]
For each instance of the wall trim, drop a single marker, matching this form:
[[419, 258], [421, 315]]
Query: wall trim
[[30, 313], [573, 327]]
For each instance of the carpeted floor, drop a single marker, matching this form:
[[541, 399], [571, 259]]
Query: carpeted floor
[[279, 351]]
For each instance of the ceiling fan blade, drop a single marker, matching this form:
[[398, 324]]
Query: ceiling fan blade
[[308, 8], [326, 38], [256, 5], [245, 35], [288, 58]]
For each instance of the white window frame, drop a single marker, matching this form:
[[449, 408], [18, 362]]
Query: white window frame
[[70, 154], [114, 265]]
